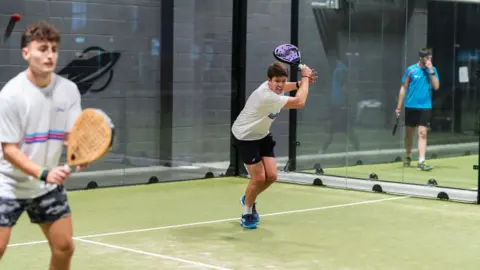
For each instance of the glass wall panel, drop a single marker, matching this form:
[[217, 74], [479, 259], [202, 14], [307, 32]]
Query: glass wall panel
[[364, 51], [201, 87], [346, 127], [322, 125], [453, 138]]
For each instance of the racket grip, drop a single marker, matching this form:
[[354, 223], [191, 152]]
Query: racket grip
[[67, 167], [301, 66]]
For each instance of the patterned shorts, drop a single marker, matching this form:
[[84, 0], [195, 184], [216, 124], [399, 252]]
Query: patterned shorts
[[46, 208]]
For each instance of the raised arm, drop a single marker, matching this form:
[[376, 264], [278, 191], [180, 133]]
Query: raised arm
[[433, 75], [299, 100], [292, 86]]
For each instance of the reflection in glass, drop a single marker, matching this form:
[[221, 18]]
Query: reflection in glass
[[79, 16], [340, 117]]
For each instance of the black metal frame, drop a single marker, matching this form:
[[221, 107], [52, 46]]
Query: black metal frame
[[166, 81], [292, 123], [238, 79], [476, 167]]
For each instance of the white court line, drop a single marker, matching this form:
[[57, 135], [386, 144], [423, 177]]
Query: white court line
[[28, 243], [219, 220], [152, 254]]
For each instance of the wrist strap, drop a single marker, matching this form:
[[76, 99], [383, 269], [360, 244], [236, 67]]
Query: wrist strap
[[42, 176]]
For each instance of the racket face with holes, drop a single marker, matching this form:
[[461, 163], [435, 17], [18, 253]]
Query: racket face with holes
[[288, 54], [90, 139]]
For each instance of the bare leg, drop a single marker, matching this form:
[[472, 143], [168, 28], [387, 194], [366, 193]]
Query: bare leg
[[327, 142], [409, 140], [59, 234], [5, 233], [270, 165], [422, 143], [257, 181]]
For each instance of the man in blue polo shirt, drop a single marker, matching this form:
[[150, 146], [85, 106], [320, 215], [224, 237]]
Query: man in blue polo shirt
[[417, 83]]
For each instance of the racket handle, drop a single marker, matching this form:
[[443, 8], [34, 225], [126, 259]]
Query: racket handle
[[67, 167]]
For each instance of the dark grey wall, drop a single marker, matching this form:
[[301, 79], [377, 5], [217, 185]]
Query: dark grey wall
[[131, 28], [202, 55], [202, 80]]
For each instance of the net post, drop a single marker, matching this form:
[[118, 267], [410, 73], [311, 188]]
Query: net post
[[292, 123], [238, 79], [478, 162]]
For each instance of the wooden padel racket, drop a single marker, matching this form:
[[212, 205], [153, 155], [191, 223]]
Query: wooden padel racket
[[90, 139]]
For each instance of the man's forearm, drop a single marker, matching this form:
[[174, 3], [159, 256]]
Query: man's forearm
[[290, 86], [401, 97], [18, 159], [302, 92], [435, 82]]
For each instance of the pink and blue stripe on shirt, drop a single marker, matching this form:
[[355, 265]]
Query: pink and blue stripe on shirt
[[41, 137]]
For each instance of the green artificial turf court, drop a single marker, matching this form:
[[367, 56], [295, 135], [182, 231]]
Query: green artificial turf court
[[195, 225]]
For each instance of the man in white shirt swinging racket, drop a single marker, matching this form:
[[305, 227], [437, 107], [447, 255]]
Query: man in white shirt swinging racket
[[252, 132]]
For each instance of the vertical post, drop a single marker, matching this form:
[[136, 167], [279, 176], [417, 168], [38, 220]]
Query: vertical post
[[238, 79], [166, 81], [478, 163], [292, 123]]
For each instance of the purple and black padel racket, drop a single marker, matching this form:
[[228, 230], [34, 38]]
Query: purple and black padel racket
[[289, 54]]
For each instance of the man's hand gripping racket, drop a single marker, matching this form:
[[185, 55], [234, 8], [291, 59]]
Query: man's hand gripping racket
[[397, 121], [90, 139], [290, 54]]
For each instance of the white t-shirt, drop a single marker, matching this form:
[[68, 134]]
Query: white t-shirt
[[36, 118], [256, 118]]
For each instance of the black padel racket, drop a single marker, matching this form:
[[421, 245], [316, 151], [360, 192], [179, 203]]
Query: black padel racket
[[397, 121]]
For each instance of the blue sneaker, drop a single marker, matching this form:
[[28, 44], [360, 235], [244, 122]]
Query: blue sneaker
[[247, 222], [256, 216]]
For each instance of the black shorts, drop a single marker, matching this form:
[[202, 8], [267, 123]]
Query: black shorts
[[415, 117], [253, 151], [46, 208]]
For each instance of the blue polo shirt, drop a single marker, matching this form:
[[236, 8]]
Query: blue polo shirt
[[419, 85]]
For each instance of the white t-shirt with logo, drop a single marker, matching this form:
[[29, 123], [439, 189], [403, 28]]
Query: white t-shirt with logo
[[37, 119], [256, 118]]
